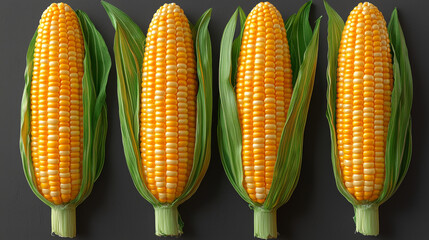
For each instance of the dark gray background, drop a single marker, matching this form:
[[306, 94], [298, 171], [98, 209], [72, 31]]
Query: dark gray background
[[115, 210]]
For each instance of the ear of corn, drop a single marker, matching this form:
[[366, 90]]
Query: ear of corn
[[161, 100], [261, 162], [63, 114], [264, 89], [369, 172], [168, 104]]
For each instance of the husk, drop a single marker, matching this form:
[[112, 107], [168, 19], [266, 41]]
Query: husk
[[399, 142], [304, 45], [129, 51], [96, 69]]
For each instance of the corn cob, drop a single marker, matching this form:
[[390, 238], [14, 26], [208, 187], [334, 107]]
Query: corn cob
[[164, 147], [54, 122], [260, 141], [264, 90], [369, 104], [56, 103], [364, 86], [168, 103]]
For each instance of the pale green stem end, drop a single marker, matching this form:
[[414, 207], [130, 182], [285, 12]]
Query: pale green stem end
[[366, 218], [265, 223], [167, 221], [63, 221]]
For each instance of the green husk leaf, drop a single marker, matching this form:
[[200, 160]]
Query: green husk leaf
[[335, 29], [299, 34], [96, 69], [288, 164], [129, 51], [398, 144], [236, 45], [289, 21], [97, 65], [229, 130], [203, 52]]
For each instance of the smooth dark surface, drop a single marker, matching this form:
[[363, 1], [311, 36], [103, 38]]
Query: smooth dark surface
[[115, 210]]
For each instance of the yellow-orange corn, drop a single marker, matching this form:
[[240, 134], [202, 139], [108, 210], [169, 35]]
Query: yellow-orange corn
[[168, 103], [264, 90], [364, 86], [56, 104]]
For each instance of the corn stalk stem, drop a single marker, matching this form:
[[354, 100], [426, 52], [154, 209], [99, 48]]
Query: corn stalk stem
[[366, 218], [167, 221], [265, 223], [63, 220]]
